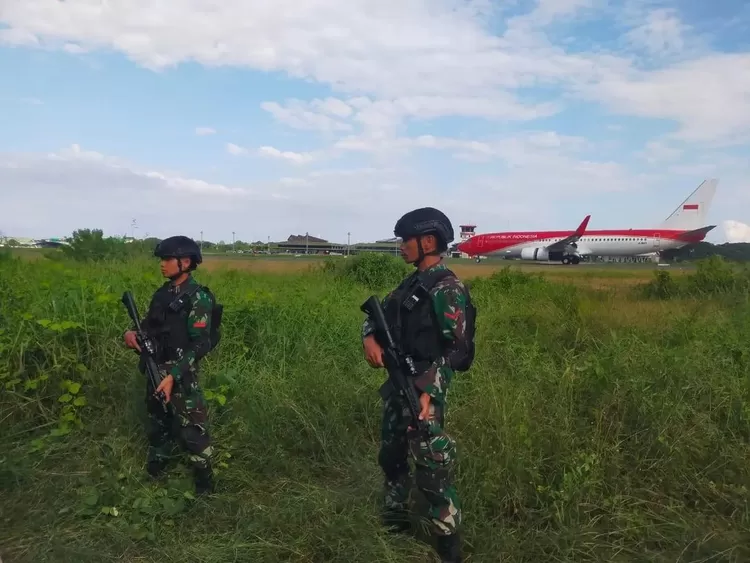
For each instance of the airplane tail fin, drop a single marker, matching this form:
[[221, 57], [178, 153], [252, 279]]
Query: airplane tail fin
[[691, 213]]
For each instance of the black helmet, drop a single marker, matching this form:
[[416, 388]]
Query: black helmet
[[425, 221], [179, 247]]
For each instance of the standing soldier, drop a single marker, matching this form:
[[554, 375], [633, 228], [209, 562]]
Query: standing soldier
[[438, 334], [182, 323]]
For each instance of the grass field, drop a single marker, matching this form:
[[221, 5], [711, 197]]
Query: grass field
[[597, 424], [597, 275]]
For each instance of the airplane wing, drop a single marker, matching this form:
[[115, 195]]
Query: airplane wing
[[579, 232]]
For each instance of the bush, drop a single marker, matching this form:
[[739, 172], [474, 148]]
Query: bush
[[714, 276], [663, 286], [89, 245], [5, 255], [373, 270]]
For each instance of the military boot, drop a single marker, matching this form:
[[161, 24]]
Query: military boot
[[156, 467], [396, 521], [449, 548], [204, 481]]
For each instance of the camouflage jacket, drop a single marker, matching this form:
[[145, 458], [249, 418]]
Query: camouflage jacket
[[449, 304], [198, 329]]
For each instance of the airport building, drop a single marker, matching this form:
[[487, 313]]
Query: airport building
[[25, 242], [467, 231], [307, 244]]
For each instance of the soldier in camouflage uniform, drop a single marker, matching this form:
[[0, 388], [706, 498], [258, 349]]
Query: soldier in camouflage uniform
[[433, 333], [182, 338]]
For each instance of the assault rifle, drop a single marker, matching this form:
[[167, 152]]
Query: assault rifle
[[148, 348], [397, 363]]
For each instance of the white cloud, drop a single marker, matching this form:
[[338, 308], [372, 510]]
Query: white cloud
[[311, 115], [533, 148], [18, 37], [659, 151], [547, 11], [32, 101], [272, 152], [543, 184], [386, 115], [75, 153], [707, 97], [294, 157], [736, 231], [205, 131], [235, 149], [424, 58], [74, 188], [662, 33]]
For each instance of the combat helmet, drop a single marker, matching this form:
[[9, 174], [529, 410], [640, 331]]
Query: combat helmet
[[425, 221], [179, 247]]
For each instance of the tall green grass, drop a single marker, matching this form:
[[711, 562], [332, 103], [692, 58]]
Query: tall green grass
[[594, 426]]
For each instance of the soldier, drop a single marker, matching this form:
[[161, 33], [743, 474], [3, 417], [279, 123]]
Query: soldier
[[438, 334], [179, 320]]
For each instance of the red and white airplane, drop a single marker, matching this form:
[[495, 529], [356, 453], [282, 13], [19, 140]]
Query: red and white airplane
[[686, 225]]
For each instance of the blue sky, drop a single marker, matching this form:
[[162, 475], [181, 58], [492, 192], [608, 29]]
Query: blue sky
[[337, 116]]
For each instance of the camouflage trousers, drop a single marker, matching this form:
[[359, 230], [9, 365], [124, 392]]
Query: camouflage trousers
[[186, 420], [434, 462]]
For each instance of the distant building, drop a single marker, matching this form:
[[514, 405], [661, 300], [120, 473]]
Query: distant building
[[305, 238], [306, 244], [20, 242]]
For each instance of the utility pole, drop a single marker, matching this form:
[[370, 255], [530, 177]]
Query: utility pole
[[307, 242], [233, 247], [201, 241], [348, 242], [268, 247]]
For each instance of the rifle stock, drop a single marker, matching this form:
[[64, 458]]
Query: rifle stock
[[397, 363], [148, 349]]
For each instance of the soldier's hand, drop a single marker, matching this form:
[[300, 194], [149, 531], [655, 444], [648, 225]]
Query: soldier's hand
[[131, 341], [373, 352], [166, 385], [424, 402]]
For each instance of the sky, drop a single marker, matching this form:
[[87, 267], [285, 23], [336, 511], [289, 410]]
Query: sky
[[257, 120]]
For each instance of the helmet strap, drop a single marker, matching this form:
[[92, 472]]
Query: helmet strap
[[421, 255], [180, 271]]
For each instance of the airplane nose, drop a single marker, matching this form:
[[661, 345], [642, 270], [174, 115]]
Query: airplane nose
[[464, 246]]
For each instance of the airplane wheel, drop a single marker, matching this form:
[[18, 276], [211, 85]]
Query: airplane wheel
[[576, 260], [566, 260], [478, 261]]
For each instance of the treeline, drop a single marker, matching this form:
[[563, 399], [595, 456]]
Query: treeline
[[737, 251], [90, 245]]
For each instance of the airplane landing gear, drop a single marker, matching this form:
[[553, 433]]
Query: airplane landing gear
[[571, 260]]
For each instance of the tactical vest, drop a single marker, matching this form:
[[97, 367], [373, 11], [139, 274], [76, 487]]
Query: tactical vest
[[166, 326], [413, 323]]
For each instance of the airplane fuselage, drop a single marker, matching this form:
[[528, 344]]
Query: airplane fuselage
[[630, 242], [685, 225]]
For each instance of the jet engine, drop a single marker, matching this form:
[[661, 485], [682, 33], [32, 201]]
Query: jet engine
[[536, 253]]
